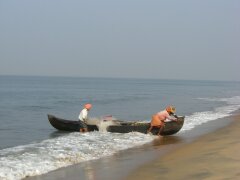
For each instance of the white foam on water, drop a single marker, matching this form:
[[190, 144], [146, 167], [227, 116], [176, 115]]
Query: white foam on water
[[198, 118], [103, 123], [231, 101], [48, 155]]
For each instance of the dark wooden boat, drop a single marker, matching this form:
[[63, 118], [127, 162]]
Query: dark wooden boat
[[170, 128]]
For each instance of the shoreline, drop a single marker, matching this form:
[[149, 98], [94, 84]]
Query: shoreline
[[211, 156], [128, 163]]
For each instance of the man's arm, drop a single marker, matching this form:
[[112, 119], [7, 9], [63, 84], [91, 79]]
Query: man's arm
[[174, 118]]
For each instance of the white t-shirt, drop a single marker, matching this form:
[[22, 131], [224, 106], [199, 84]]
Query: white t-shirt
[[83, 115]]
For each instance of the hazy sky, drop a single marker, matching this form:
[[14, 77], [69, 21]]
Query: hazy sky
[[174, 39]]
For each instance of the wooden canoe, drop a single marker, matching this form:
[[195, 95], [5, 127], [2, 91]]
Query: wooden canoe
[[171, 127]]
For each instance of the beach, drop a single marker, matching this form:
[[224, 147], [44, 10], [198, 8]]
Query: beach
[[207, 152], [212, 156]]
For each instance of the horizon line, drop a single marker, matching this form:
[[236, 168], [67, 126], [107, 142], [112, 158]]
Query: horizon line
[[103, 77]]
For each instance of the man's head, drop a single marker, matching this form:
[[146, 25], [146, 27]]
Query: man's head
[[88, 106], [171, 109]]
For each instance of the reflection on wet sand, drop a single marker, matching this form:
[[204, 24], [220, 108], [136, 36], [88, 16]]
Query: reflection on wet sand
[[166, 140]]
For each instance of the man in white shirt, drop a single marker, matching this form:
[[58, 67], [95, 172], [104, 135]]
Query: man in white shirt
[[83, 117]]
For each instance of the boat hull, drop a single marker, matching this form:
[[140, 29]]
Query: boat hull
[[170, 128]]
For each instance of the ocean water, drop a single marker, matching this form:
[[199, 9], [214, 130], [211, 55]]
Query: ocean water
[[30, 146]]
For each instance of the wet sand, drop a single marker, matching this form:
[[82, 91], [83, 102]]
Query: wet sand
[[189, 155], [212, 156]]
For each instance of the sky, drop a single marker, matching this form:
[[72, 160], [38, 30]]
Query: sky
[[163, 39]]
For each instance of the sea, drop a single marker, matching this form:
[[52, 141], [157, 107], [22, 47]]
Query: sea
[[30, 146]]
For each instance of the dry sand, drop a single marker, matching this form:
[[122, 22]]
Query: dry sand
[[213, 156]]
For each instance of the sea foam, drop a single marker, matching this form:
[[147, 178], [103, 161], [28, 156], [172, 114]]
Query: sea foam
[[198, 118], [39, 158]]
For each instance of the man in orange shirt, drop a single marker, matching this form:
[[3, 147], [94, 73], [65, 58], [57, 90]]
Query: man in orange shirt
[[158, 119]]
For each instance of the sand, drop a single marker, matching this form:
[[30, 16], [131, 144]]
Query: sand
[[212, 156]]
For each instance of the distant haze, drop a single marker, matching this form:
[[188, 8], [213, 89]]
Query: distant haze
[[121, 38]]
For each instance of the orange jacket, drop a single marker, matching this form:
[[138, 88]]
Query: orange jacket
[[156, 120], [159, 118]]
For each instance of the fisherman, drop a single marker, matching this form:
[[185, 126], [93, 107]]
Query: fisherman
[[83, 117], [158, 119]]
